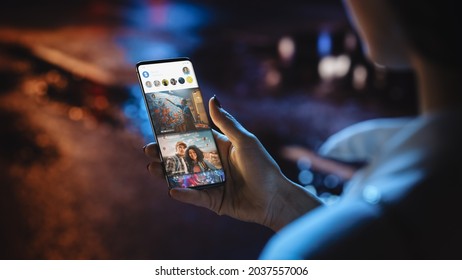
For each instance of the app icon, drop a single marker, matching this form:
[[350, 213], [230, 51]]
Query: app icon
[[148, 84], [145, 74], [189, 79], [186, 70], [181, 80], [165, 82]]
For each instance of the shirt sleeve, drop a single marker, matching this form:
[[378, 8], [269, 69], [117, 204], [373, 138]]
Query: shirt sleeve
[[362, 141], [346, 230]]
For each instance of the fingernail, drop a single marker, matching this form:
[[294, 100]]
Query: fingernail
[[217, 102], [144, 148]]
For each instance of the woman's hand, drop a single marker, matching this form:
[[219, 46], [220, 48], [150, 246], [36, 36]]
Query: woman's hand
[[255, 188]]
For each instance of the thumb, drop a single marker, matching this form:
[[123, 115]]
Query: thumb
[[235, 132]]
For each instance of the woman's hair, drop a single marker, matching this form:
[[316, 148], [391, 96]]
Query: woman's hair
[[432, 27], [199, 153]]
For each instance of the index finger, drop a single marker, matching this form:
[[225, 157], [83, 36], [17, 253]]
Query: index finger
[[233, 130]]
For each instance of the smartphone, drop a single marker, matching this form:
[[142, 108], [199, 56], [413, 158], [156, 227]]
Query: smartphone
[[181, 127]]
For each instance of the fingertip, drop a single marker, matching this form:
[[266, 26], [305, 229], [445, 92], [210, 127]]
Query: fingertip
[[154, 168], [213, 107], [151, 150], [215, 112], [216, 101]]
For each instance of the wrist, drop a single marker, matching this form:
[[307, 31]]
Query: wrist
[[290, 202]]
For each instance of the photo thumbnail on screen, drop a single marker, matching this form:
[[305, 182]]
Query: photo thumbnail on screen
[[177, 111], [191, 159]]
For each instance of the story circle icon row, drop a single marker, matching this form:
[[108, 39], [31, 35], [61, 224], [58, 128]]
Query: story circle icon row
[[166, 82]]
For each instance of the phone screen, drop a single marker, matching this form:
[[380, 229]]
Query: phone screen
[[180, 123]]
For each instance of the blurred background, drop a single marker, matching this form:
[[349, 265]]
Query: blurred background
[[74, 183]]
